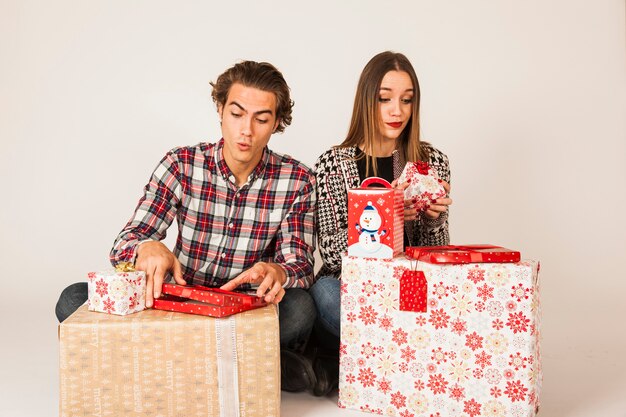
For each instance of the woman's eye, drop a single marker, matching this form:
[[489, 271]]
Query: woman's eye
[[407, 100], [383, 99]]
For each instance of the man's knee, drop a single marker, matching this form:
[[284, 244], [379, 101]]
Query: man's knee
[[70, 299], [297, 315]]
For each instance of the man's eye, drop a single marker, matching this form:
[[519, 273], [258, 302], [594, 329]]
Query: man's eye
[[235, 114], [262, 121]]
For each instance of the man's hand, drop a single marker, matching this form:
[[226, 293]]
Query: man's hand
[[269, 276], [439, 205], [157, 260]]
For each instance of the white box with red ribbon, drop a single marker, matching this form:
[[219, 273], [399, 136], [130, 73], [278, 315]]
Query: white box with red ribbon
[[422, 339]]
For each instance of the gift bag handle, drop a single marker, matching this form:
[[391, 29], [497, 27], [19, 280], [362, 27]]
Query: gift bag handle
[[375, 180]]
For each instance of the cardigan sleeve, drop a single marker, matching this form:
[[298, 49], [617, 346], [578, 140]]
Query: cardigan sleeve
[[434, 232], [332, 213]]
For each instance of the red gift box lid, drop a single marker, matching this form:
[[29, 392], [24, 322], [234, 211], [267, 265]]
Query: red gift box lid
[[213, 302], [463, 254]]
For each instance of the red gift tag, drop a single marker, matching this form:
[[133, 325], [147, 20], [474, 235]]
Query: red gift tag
[[413, 291]]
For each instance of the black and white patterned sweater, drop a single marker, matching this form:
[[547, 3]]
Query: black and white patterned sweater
[[336, 171]]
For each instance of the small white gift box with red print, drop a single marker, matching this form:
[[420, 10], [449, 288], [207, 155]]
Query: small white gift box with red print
[[425, 339], [116, 292], [424, 184], [375, 220]]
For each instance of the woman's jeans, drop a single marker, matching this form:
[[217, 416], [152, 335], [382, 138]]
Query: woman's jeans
[[326, 293]]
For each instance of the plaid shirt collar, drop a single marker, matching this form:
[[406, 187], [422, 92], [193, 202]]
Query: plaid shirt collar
[[228, 175]]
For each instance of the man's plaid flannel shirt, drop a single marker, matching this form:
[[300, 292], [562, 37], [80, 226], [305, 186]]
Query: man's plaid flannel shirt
[[222, 229]]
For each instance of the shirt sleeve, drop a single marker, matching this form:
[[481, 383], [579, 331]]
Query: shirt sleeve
[[295, 240], [154, 213], [332, 213]]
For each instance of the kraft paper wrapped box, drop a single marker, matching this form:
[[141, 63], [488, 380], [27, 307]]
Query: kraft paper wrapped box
[[162, 363], [473, 352]]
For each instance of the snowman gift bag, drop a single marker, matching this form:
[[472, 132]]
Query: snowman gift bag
[[375, 220]]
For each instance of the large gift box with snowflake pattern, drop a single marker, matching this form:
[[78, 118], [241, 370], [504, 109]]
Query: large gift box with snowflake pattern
[[162, 363], [473, 352]]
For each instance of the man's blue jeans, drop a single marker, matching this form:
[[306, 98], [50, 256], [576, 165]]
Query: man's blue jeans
[[296, 313], [326, 293]]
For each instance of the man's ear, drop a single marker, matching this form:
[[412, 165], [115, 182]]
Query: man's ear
[[276, 125], [220, 110]]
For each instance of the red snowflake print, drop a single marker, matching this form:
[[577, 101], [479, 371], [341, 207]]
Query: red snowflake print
[[362, 300], [385, 323], [435, 415], [101, 288], [133, 301], [351, 317], [483, 359], [432, 303], [398, 272], [369, 288], [360, 362], [420, 320], [369, 409], [367, 377], [472, 408], [476, 275], [508, 374], [516, 391], [479, 306], [399, 336], [511, 306], [457, 392], [398, 400], [368, 315], [440, 290], [485, 292], [343, 349], [452, 355], [368, 350], [458, 326], [518, 361], [419, 385], [438, 356], [439, 318], [109, 305], [384, 386], [454, 289], [473, 341], [497, 324], [520, 293], [478, 373], [406, 413], [403, 367], [518, 322], [350, 379], [431, 368], [344, 288], [408, 354], [495, 392], [437, 384]]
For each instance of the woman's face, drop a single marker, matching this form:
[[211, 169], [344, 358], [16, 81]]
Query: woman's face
[[395, 104]]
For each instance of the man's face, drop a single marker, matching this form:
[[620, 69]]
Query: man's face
[[248, 121]]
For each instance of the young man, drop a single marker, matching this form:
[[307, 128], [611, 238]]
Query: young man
[[245, 214]]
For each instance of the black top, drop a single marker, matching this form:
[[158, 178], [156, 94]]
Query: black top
[[384, 166]]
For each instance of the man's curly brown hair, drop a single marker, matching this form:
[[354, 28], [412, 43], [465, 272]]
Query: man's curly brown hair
[[261, 75]]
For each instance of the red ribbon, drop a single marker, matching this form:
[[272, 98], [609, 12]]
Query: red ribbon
[[463, 254], [422, 167]]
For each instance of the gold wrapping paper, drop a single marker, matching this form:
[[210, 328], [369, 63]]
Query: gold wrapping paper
[[161, 363]]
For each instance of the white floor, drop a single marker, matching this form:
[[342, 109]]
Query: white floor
[[578, 382]]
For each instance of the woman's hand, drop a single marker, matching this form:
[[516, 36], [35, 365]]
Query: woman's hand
[[409, 206], [439, 205]]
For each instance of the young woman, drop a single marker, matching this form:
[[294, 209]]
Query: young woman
[[384, 134]]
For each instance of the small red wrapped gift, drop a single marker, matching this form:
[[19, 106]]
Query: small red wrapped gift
[[195, 299], [463, 254]]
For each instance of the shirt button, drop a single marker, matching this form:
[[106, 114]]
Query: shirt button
[[230, 225], [223, 255]]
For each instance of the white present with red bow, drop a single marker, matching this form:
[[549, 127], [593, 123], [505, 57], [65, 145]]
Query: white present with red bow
[[459, 340], [121, 291], [424, 184]]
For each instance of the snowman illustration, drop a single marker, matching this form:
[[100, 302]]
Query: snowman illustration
[[369, 230]]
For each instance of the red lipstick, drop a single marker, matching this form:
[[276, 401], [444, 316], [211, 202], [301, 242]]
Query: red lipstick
[[395, 125]]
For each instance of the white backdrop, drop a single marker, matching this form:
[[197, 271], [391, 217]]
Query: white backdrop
[[527, 99]]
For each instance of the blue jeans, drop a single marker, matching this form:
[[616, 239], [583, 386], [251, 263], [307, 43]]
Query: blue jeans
[[326, 293], [296, 313]]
